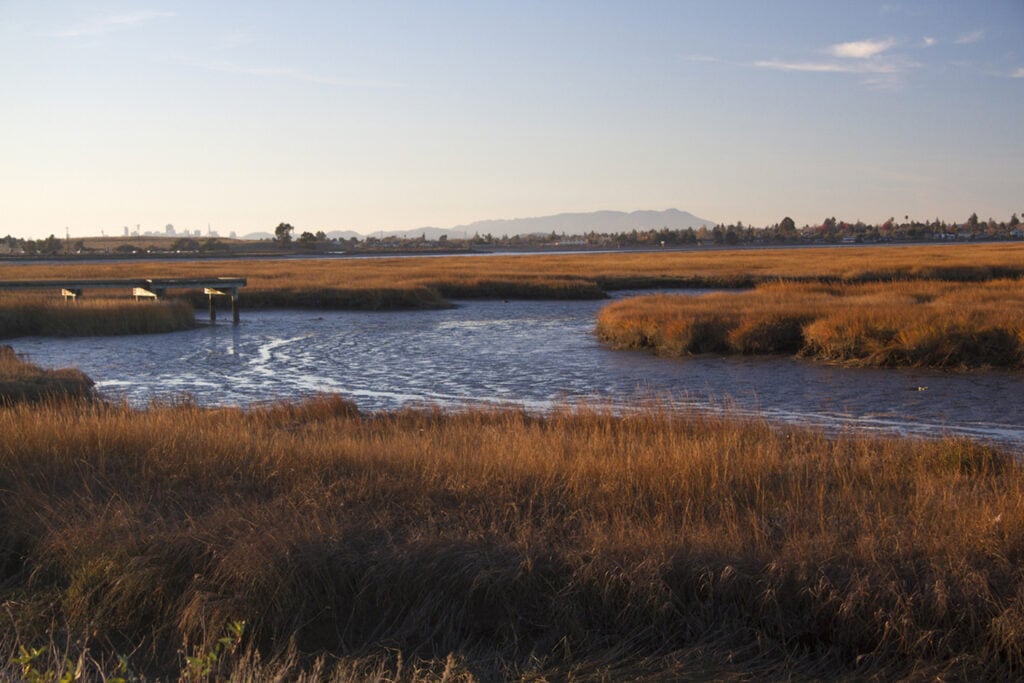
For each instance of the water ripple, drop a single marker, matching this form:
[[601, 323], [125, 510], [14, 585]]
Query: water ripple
[[536, 354]]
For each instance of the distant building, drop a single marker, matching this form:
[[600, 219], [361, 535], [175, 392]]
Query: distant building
[[169, 230]]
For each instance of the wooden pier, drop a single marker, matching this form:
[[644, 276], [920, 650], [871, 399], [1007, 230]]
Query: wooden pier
[[148, 288]]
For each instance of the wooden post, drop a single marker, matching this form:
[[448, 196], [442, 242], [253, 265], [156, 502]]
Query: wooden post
[[213, 311], [234, 307]]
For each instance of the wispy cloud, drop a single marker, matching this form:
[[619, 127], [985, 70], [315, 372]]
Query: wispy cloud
[[929, 41], [861, 49], [291, 74], [870, 59], [867, 58], [114, 22], [1018, 73], [888, 67], [814, 67], [972, 37]]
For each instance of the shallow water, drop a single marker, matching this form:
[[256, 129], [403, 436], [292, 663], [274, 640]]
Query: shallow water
[[533, 353]]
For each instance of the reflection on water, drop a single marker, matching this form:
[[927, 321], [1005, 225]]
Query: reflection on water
[[534, 353]]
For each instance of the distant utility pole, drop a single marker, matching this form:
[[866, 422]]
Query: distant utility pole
[[67, 240]]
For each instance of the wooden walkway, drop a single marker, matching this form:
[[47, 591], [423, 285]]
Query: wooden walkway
[[147, 288]]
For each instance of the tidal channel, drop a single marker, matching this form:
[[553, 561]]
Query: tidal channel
[[538, 354]]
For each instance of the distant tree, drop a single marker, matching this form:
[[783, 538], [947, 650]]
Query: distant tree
[[307, 238], [321, 236], [972, 222], [787, 226], [1014, 221], [283, 234], [51, 245]]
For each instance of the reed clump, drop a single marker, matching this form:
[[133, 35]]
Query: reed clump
[[579, 543], [22, 381], [23, 315], [915, 323]]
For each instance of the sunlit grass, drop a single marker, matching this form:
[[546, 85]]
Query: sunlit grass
[[901, 323], [29, 314], [424, 282], [577, 542]]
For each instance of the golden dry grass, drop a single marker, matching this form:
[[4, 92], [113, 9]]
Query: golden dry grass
[[901, 323], [578, 544], [425, 281], [30, 314]]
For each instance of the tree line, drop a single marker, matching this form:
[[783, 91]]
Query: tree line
[[829, 231]]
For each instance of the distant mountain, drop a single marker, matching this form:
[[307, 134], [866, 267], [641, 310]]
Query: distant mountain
[[601, 222]]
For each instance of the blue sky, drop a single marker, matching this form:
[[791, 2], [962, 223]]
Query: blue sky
[[387, 115]]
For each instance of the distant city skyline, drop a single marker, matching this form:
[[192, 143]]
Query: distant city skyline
[[385, 116]]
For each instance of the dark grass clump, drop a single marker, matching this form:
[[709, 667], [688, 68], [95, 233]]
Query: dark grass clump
[[22, 381]]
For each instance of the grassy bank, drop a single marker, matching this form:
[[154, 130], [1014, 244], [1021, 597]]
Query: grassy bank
[[22, 381], [496, 544], [24, 315], [915, 323], [395, 283]]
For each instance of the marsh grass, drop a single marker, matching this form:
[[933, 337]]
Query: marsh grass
[[497, 544], [22, 381], [428, 282], [37, 314], [900, 323]]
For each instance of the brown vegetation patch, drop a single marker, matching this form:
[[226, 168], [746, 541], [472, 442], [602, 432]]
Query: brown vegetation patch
[[22, 381], [575, 544], [909, 323], [23, 315], [424, 282]]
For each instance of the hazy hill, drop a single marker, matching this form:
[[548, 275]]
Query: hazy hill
[[601, 222], [568, 223]]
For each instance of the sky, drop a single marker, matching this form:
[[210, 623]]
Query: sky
[[379, 115]]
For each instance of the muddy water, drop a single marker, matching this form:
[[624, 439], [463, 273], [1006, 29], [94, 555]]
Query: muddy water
[[536, 354]]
